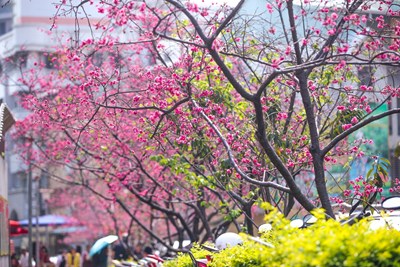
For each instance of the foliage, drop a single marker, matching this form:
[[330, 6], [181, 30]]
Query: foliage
[[183, 259], [324, 244]]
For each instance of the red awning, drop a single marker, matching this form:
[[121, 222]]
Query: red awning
[[16, 229], [14, 223]]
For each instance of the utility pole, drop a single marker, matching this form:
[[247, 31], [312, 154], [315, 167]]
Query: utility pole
[[37, 220], [30, 249]]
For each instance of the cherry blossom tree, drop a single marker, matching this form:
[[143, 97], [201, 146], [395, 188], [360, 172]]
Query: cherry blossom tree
[[196, 113], [98, 215]]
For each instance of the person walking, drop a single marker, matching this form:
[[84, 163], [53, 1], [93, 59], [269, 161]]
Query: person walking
[[24, 258], [100, 259], [44, 259], [61, 260], [120, 252], [73, 258], [137, 252], [14, 261], [85, 257]]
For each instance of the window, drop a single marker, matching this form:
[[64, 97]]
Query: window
[[5, 25], [2, 27], [21, 58], [50, 60], [18, 180], [97, 59], [395, 166]]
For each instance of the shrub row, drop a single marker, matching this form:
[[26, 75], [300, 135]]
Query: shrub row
[[325, 244]]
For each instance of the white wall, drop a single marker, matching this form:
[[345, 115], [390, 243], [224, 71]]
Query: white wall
[[4, 260], [3, 179], [32, 19]]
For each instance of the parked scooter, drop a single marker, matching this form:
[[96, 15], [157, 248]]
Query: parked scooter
[[389, 204], [223, 241], [124, 264], [233, 239]]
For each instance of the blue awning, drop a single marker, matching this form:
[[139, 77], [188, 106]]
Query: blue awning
[[49, 219]]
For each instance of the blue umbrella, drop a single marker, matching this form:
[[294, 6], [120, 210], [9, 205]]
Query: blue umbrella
[[102, 243]]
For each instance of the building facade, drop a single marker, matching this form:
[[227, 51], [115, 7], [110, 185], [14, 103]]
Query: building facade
[[25, 39], [6, 122]]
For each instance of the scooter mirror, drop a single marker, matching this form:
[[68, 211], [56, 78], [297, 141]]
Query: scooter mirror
[[263, 228], [228, 240], [209, 248], [309, 219], [297, 223], [354, 217], [391, 203]]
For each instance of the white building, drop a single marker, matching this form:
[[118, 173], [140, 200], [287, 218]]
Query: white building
[[6, 121], [24, 38]]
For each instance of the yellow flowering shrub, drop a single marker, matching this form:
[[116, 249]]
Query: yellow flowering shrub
[[324, 244]]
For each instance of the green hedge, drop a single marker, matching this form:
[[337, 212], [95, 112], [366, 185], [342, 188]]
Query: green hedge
[[327, 243]]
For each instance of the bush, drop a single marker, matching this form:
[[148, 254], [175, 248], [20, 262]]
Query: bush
[[327, 243], [183, 260]]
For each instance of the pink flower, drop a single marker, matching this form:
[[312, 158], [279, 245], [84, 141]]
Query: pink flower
[[354, 120], [281, 116], [341, 108], [272, 30], [275, 63], [193, 7], [204, 13], [288, 50], [331, 31], [270, 9], [346, 193], [142, 7], [182, 139], [346, 126], [364, 19]]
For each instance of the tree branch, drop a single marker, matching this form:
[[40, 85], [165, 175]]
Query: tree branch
[[356, 127], [232, 158]]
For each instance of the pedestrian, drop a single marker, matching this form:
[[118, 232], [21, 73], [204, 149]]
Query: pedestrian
[[120, 250], [149, 259], [100, 259], [85, 257], [61, 259], [14, 261], [73, 258], [44, 258], [24, 258], [137, 252]]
